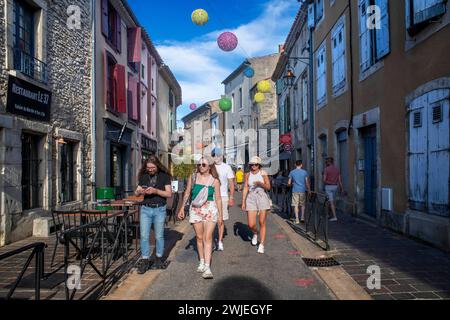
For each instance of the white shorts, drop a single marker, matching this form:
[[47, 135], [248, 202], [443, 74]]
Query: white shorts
[[331, 191], [225, 213]]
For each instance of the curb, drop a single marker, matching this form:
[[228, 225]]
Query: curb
[[340, 283]]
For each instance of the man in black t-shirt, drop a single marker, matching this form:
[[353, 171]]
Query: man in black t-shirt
[[155, 185]]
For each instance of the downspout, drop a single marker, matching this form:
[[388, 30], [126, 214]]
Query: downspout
[[93, 99], [311, 108], [352, 103]]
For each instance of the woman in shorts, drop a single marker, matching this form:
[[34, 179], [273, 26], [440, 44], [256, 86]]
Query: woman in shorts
[[255, 200], [205, 218]]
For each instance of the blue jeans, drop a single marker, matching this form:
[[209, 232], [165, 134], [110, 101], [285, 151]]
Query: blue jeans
[[157, 217]]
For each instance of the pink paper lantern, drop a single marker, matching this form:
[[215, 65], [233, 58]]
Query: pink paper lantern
[[227, 41], [193, 106]]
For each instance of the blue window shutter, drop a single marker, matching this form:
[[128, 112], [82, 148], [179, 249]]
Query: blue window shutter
[[364, 36], [383, 35]]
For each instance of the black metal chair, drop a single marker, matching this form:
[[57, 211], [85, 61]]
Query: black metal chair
[[172, 206], [62, 221]]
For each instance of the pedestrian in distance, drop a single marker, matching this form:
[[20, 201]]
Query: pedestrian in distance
[[240, 178], [205, 210], [155, 186], [226, 177], [299, 180], [256, 201], [332, 180]]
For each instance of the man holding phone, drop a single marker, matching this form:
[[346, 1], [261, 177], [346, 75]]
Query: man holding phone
[[155, 186]]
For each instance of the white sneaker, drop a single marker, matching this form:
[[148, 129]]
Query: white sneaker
[[201, 268], [261, 249], [333, 219], [207, 274], [220, 246], [255, 240]]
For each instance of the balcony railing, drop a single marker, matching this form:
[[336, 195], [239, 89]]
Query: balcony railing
[[30, 66]]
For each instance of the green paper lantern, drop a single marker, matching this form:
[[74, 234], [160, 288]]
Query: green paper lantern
[[264, 86], [225, 104], [260, 97], [200, 17]]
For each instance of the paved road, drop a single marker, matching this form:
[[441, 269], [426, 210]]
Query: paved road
[[240, 273]]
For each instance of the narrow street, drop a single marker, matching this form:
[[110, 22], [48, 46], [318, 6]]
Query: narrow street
[[239, 272]]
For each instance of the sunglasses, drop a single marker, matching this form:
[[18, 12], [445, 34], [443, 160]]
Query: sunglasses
[[203, 165], [254, 165]]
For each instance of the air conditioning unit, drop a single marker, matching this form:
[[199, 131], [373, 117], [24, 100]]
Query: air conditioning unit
[[387, 199]]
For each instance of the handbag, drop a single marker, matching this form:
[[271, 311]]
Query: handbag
[[187, 205], [202, 196]]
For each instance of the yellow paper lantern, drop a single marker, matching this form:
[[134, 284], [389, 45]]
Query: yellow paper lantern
[[200, 17], [264, 86], [260, 97]]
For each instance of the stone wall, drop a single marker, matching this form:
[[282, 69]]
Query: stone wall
[[67, 54]]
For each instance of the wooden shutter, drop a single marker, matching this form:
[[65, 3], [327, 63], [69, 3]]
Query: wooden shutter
[[118, 33], [425, 10], [364, 36], [382, 35], [105, 17], [120, 90], [134, 44]]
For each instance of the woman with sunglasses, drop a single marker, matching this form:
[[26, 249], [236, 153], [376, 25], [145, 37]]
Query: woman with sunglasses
[[255, 200], [205, 218]]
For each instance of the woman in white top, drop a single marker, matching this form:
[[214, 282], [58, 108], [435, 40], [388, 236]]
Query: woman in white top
[[255, 200]]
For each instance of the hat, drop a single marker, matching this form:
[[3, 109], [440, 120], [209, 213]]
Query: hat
[[255, 160]]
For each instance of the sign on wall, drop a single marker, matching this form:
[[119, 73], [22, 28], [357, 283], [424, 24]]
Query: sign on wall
[[28, 100]]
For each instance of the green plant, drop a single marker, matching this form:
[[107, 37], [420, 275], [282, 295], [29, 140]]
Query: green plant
[[183, 170]]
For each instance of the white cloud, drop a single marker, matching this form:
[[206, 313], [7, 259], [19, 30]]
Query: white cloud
[[200, 66]]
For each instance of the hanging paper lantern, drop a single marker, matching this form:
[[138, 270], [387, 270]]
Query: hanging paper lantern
[[200, 17], [249, 72], [225, 104], [260, 97], [227, 41], [193, 106], [264, 86]]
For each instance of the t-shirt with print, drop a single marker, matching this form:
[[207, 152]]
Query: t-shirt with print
[[158, 181], [225, 172], [298, 177]]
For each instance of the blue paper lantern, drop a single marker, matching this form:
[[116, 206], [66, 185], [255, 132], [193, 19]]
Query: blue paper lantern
[[249, 72]]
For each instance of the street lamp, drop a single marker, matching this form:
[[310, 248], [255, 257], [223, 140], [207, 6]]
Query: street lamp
[[289, 78]]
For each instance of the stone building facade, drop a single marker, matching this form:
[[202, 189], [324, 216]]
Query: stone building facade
[[45, 141]]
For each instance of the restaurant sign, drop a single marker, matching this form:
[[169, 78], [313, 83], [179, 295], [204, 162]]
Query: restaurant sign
[[28, 100]]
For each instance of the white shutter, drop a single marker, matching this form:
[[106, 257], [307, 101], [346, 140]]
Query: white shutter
[[428, 9], [321, 74], [364, 36], [338, 52], [382, 35], [311, 16]]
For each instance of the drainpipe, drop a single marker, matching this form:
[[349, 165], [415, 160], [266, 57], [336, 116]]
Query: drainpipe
[[93, 99], [311, 108], [352, 99]]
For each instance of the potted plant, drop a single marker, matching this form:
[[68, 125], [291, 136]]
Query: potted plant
[[182, 171]]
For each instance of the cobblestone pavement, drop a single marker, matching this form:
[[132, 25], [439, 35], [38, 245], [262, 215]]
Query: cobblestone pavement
[[239, 271], [409, 269]]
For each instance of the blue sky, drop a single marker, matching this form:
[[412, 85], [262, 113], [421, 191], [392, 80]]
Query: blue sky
[[192, 52]]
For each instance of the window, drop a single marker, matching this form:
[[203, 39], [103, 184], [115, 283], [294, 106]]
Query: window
[[338, 47], [374, 43], [241, 106], [117, 168], [133, 101], [321, 75], [30, 171], [134, 46], [143, 72], [111, 25], [319, 10], [233, 102], [23, 30], [296, 108], [287, 110], [342, 139], [419, 13], [305, 96], [115, 86], [67, 171]]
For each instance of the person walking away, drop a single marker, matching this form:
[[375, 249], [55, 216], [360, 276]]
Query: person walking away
[[332, 180], [299, 180], [155, 186], [226, 177], [239, 178], [256, 201], [205, 212]]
